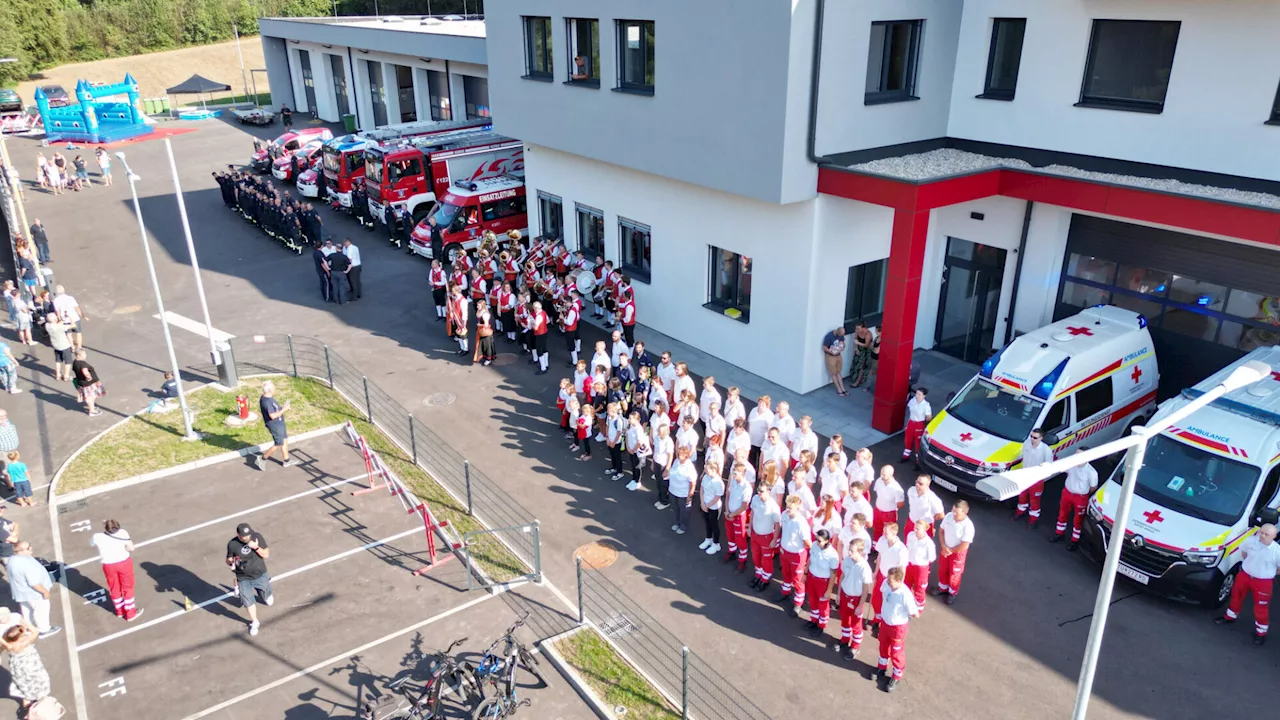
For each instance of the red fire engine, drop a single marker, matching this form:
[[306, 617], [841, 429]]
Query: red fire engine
[[469, 209]]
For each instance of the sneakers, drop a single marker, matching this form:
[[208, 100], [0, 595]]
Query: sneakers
[[1223, 620], [893, 684], [271, 600], [253, 627], [849, 652], [289, 463], [705, 544], [15, 391], [661, 505], [136, 615], [676, 526], [54, 630], [599, 437], [260, 462], [1055, 538], [679, 531], [715, 548], [633, 485], [96, 412]]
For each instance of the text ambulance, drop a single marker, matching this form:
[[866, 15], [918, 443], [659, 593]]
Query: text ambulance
[[1204, 487], [1087, 377]]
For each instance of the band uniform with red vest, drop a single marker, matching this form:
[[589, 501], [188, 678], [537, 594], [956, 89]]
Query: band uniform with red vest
[[457, 319], [439, 289], [538, 322]]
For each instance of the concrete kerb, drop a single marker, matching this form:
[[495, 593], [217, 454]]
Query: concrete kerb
[[548, 647]]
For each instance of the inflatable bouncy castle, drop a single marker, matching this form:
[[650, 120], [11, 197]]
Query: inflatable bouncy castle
[[99, 116]]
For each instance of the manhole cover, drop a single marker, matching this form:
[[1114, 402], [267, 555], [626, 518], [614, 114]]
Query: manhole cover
[[505, 358], [439, 399], [126, 309], [600, 554]]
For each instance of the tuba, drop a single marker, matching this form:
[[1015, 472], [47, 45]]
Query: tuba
[[488, 243], [504, 257]]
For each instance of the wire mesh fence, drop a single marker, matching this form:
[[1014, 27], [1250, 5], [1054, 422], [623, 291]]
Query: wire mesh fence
[[687, 680]]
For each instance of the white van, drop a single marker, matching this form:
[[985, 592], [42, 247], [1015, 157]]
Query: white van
[[1092, 375], [1205, 486]]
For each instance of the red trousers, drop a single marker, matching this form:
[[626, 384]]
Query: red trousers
[[851, 620], [950, 570], [879, 518], [819, 602], [735, 533], [1031, 498], [1072, 504], [893, 648], [762, 555], [1261, 589], [120, 587], [877, 599], [793, 566], [917, 579], [911, 438]]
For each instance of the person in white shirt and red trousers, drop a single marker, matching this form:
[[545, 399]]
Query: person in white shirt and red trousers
[[899, 606], [955, 536], [1257, 575], [918, 415], [1081, 482], [1035, 452]]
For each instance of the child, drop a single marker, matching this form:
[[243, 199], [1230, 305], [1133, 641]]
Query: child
[[712, 501], [169, 388], [585, 417], [599, 403], [614, 430], [17, 472], [899, 607], [575, 410], [640, 449], [562, 403], [618, 395]]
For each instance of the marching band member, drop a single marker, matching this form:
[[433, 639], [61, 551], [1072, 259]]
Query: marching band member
[[921, 552], [1035, 452], [627, 311], [918, 415], [510, 269], [735, 516], [888, 500], [459, 276], [597, 298], [924, 504], [794, 539], [495, 291], [507, 310], [439, 289], [478, 287], [538, 326], [766, 529], [572, 338], [457, 319], [855, 591], [820, 581], [709, 395], [612, 284], [803, 439], [489, 267], [956, 537], [524, 315], [485, 351], [891, 553], [758, 423], [899, 607], [1081, 481], [640, 450]]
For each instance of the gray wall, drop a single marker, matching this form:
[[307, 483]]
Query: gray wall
[[438, 46], [719, 113], [276, 53]]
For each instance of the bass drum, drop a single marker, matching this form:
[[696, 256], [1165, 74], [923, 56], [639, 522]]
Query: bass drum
[[586, 281]]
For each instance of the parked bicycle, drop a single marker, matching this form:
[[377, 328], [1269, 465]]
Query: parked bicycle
[[515, 654], [507, 701], [414, 701]]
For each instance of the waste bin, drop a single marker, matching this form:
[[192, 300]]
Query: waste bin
[[349, 122], [164, 103], [149, 106], [227, 375]]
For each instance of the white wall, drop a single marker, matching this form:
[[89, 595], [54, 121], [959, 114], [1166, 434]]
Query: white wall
[[322, 79], [295, 79], [1223, 84], [845, 122]]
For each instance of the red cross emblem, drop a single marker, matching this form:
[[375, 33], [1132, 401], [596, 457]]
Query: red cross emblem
[[966, 437], [1153, 516], [1079, 331], [1137, 373]]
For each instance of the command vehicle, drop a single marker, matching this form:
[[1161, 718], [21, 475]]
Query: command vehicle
[[472, 207], [344, 156], [1090, 376], [283, 167], [288, 142], [411, 175], [1204, 488]]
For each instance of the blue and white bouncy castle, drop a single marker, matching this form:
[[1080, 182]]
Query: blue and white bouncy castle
[[99, 117]]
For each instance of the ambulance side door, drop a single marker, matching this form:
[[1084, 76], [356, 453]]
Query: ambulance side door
[[1265, 507], [1057, 422], [1093, 402]]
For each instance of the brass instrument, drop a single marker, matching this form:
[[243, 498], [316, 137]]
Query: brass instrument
[[504, 257], [488, 243]]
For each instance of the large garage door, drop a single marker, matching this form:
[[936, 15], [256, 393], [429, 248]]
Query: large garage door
[[1207, 301]]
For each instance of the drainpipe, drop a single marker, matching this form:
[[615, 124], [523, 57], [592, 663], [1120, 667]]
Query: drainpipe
[[1017, 273], [814, 83], [448, 88]]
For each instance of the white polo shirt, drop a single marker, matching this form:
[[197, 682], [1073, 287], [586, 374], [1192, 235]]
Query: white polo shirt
[[808, 505], [795, 531], [682, 383], [113, 547], [954, 533], [736, 441], [921, 551], [832, 525], [891, 556], [847, 535], [1034, 455], [855, 576], [765, 515], [835, 484], [712, 491], [709, 395], [786, 426], [1082, 480], [860, 506], [1261, 561], [776, 452], [823, 561], [857, 472], [758, 423], [888, 495], [801, 441], [734, 410], [681, 479], [667, 373], [353, 254], [739, 495], [897, 606], [925, 507], [918, 410]]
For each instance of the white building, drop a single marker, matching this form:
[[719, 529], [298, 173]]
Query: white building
[[378, 69], [956, 172]]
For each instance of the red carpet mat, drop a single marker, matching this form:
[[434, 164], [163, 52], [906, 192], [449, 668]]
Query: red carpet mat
[[159, 133]]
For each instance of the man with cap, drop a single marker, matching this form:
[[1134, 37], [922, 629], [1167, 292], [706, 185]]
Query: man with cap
[[247, 555]]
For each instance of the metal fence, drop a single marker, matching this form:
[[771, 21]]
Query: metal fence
[[687, 680], [482, 498]]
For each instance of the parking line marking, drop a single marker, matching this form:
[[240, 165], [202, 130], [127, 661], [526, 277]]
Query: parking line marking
[[186, 323], [233, 593], [234, 515], [64, 600], [343, 656]]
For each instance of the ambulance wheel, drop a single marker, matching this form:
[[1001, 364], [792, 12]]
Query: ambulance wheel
[[1220, 591]]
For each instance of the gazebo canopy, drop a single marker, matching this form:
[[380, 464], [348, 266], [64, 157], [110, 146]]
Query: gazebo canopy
[[197, 84]]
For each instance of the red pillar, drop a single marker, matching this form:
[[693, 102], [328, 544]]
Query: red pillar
[[898, 330]]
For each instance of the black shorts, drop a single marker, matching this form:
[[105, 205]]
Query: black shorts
[[278, 433], [571, 336], [540, 343], [439, 295]]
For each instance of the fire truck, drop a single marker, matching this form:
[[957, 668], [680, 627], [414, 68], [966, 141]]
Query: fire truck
[[412, 175], [472, 207], [344, 156]]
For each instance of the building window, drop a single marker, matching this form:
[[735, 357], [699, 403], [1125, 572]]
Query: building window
[[893, 61], [476, 91], [550, 216], [635, 55], [590, 231], [864, 294], [730, 284], [1004, 59], [438, 90], [1130, 62], [584, 51], [377, 92], [1275, 109], [635, 239], [339, 72], [537, 48]]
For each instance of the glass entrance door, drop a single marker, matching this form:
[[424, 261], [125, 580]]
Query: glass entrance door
[[970, 301], [308, 81]]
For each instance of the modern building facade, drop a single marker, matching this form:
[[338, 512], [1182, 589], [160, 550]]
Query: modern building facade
[[378, 69], [955, 173]]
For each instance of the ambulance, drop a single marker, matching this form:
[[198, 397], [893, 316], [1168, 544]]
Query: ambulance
[[1091, 377], [1204, 488]]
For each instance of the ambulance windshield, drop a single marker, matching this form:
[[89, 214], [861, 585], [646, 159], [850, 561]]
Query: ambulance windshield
[[1195, 482], [992, 409]]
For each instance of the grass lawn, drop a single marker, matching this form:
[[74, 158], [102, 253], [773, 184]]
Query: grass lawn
[[612, 678], [152, 442], [260, 99]]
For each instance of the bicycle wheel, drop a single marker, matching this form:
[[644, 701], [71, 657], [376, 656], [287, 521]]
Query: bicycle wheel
[[490, 709], [532, 664]]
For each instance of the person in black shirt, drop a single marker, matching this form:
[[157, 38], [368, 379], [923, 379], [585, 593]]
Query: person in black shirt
[[247, 555], [322, 269], [273, 417], [286, 117], [87, 383], [338, 266], [437, 238], [41, 240]]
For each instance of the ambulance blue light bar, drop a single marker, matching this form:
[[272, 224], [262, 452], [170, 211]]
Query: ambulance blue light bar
[[1044, 388], [989, 365]]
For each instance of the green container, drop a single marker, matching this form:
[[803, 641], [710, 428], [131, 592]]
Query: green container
[[149, 106], [349, 122], [164, 103]]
